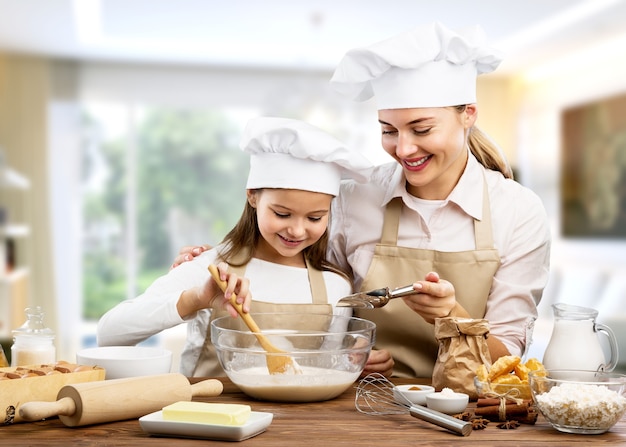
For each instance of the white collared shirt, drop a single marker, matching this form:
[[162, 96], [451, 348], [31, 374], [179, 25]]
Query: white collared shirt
[[520, 230]]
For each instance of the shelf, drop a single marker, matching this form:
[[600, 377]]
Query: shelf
[[14, 275], [13, 280], [14, 230], [10, 178]]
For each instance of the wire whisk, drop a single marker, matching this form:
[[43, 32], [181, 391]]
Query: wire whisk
[[375, 396]]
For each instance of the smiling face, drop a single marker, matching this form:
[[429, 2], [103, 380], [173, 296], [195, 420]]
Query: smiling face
[[290, 220], [430, 144]]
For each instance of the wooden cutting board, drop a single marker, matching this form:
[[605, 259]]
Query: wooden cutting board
[[15, 392]]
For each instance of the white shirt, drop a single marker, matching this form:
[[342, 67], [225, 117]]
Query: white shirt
[[520, 230], [134, 320]]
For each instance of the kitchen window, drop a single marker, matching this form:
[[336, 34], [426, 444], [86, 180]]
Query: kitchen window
[[152, 180]]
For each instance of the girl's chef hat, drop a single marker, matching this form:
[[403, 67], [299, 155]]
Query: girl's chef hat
[[431, 66], [291, 154]]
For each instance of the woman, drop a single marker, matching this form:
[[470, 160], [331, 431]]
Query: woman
[[277, 250], [446, 210]]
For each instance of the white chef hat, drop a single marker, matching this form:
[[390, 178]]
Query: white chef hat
[[292, 154], [430, 66]]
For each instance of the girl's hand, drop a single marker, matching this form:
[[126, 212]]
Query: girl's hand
[[379, 361], [235, 285], [433, 298], [210, 295]]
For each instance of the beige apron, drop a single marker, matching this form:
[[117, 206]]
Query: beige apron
[[209, 366], [404, 333]]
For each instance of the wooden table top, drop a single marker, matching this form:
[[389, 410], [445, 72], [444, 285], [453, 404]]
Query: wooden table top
[[331, 423]]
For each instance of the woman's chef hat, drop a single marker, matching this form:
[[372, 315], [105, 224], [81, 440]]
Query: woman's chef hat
[[292, 154], [431, 66]]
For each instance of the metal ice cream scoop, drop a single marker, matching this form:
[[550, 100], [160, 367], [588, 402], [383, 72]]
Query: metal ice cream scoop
[[375, 298]]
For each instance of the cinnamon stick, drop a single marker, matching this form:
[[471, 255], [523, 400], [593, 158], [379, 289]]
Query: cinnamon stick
[[494, 410], [487, 402], [529, 418], [490, 409]]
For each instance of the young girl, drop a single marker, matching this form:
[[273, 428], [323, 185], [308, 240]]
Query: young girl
[[279, 244]]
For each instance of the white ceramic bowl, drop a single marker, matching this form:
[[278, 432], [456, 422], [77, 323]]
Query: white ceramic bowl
[[584, 402], [329, 351], [447, 402], [415, 394], [127, 361]]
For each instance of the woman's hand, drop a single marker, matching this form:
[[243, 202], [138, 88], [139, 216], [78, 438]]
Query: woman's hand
[[188, 252], [208, 296], [379, 361], [434, 298]]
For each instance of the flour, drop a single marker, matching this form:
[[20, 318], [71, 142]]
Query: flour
[[314, 384]]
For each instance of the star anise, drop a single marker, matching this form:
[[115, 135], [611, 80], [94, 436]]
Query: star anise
[[479, 423], [10, 415], [508, 425], [464, 416]]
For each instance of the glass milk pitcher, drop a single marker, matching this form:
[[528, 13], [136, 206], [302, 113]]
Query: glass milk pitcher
[[575, 342]]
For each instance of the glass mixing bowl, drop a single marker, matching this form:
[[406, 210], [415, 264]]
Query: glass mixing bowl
[[329, 353]]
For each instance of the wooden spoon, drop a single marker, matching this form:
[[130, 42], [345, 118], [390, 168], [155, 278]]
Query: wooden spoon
[[276, 363]]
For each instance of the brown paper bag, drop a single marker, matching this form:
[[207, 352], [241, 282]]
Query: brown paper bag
[[462, 349]]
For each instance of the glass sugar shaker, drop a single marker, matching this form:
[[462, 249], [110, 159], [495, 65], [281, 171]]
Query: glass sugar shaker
[[33, 342]]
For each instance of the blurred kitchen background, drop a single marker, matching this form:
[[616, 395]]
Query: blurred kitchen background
[[120, 121]]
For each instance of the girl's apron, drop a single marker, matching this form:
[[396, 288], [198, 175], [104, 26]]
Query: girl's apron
[[404, 333], [209, 366]]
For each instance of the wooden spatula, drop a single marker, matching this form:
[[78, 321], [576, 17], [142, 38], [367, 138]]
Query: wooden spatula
[[276, 363]]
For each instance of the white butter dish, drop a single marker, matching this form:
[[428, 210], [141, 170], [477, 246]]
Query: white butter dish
[[155, 425]]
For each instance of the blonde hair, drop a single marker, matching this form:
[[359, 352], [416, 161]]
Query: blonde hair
[[486, 150]]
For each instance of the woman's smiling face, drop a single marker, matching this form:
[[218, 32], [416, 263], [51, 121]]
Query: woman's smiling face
[[430, 144], [290, 220]]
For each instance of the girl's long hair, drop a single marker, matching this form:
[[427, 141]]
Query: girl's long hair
[[245, 236], [486, 150]]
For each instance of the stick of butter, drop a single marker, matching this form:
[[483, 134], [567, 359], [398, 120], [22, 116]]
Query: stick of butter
[[207, 413]]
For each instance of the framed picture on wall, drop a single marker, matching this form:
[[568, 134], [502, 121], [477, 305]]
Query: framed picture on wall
[[593, 169]]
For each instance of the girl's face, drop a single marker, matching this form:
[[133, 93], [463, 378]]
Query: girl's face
[[290, 220], [430, 144]]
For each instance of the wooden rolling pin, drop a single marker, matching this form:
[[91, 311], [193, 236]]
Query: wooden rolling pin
[[118, 399]]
